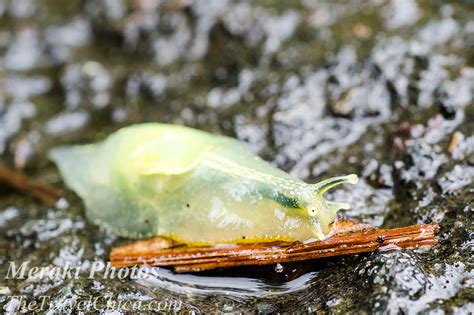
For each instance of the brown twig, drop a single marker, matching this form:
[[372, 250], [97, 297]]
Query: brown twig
[[45, 193], [454, 142], [350, 238]]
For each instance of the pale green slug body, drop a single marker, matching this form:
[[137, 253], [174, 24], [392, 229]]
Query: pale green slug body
[[195, 187]]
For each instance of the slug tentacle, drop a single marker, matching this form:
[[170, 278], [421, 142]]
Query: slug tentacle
[[323, 186], [336, 206]]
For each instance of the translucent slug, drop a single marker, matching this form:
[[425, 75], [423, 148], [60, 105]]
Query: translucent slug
[[194, 187]]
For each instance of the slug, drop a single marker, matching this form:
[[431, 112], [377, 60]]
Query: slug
[[194, 187]]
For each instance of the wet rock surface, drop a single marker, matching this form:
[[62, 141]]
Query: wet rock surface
[[377, 88]]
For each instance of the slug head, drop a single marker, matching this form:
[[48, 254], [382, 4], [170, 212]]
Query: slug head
[[321, 211]]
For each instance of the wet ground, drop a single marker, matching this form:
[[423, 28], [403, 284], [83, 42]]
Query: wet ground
[[318, 88]]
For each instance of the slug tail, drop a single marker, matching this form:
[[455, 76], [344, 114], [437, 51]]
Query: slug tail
[[323, 186], [75, 164]]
